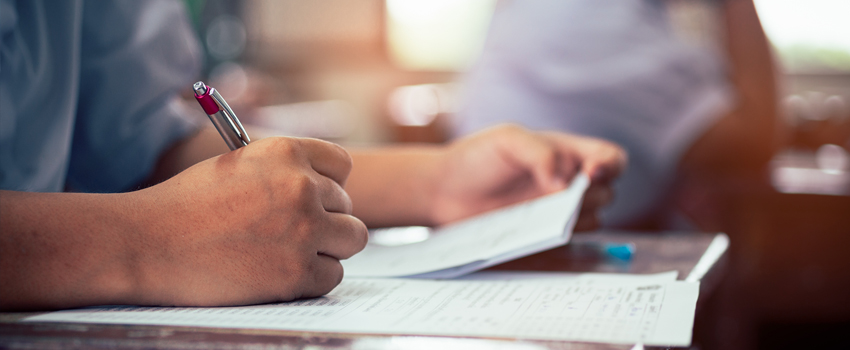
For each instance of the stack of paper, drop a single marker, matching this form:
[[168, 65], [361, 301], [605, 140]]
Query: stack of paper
[[479, 242], [624, 309]]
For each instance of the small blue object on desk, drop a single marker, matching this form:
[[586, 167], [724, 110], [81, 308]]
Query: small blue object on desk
[[620, 251], [617, 251]]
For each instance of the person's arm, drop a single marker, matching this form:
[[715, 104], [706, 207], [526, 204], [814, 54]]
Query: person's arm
[[268, 222], [747, 137], [64, 249], [434, 185]]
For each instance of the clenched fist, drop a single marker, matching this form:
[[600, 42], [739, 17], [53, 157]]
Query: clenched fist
[[268, 222]]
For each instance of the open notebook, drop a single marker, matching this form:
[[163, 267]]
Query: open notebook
[[475, 243]]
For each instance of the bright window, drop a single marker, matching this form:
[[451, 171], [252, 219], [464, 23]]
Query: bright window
[[437, 35], [810, 35]]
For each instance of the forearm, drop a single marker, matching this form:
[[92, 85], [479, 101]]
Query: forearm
[[752, 68], [61, 250], [394, 186], [64, 250], [268, 222], [748, 135]]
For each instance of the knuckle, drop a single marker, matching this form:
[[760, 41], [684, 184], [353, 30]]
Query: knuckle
[[345, 200], [345, 158], [311, 231], [287, 146], [356, 237], [549, 158], [510, 128], [305, 188], [302, 230]]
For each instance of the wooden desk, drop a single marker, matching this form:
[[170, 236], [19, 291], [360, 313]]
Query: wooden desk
[[655, 252], [790, 276]]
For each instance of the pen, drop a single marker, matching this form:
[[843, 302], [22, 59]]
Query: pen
[[221, 116]]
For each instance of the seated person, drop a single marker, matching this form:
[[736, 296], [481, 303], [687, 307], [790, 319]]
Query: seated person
[[89, 116], [623, 71]]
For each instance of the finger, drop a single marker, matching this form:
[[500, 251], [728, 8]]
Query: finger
[[328, 159], [539, 156], [333, 197], [603, 161], [324, 275], [342, 236]]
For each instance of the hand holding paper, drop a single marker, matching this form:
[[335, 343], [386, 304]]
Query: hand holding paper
[[435, 185], [508, 164]]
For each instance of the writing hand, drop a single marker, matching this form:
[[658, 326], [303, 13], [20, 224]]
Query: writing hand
[[268, 222]]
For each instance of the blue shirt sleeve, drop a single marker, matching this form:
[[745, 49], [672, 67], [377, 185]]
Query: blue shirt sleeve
[[136, 56]]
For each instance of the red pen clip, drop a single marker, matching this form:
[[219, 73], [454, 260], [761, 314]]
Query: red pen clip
[[221, 116]]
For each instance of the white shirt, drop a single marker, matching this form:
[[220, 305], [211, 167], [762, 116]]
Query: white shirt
[[612, 69]]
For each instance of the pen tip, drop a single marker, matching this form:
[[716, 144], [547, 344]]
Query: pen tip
[[200, 88]]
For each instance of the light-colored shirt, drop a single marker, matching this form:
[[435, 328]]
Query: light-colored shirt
[[612, 69], [87, 91]]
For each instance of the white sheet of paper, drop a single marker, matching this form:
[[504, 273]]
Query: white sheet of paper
[[479, 242], [619, 309]]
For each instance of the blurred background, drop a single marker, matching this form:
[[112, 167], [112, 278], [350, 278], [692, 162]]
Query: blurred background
[[357, 54], [330, 68], [374, 72]]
